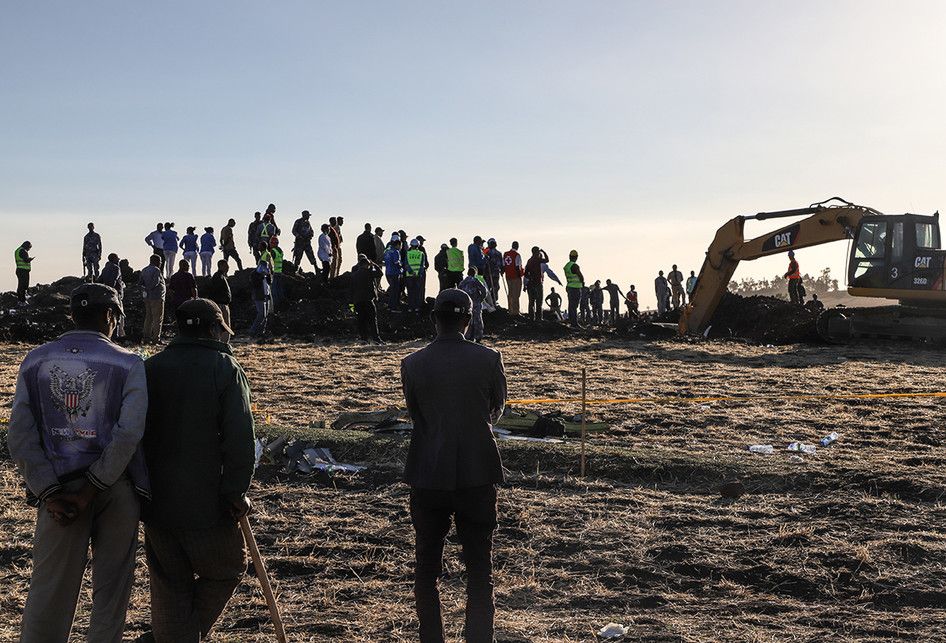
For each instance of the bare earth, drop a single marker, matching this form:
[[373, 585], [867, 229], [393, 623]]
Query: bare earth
[[845, 546]]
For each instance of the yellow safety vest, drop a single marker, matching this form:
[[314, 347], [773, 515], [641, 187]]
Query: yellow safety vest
[[572, 280], [20, 263], [454, 260]]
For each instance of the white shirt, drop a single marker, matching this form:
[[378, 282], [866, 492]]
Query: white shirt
[[325, 247]]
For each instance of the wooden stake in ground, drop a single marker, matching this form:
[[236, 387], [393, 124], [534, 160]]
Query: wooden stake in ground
[[584, 409], [263, 577]]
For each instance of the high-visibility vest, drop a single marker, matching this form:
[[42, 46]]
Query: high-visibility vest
[[572, 280], [267, 231], [266, 256], [20, 263], [481, 279], [454, 260], [277, 260], [793, 270], [415, 259]]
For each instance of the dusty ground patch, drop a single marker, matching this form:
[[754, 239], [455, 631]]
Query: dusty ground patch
[[846, 545]]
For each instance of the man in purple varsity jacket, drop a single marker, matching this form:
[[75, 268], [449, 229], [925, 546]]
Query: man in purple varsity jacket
[[75, 430]]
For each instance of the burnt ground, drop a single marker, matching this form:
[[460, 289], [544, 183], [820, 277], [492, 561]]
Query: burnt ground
[[845, 545]]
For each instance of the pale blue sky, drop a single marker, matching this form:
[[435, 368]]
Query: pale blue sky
[[628, 130]]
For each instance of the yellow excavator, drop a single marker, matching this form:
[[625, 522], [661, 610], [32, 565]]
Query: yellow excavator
[[893, 256]]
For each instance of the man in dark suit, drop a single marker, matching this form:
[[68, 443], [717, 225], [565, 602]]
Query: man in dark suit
[[455, 390]]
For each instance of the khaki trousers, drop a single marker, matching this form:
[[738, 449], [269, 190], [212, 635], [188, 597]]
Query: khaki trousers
[[154, 317], [226, 314], [515, 290], [60, 555]]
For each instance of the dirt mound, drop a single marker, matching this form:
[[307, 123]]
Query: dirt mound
[[312, 309], [767, 320]]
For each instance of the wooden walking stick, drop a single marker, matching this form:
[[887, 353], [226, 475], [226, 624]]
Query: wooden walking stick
[[584, 408], [263, 577]]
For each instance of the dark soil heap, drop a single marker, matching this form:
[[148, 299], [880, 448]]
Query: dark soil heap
[[314, 309]]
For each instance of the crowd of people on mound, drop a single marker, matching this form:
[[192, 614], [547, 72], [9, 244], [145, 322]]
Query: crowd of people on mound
[[394, 267]]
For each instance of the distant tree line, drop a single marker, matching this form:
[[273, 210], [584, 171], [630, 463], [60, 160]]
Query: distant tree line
[[778, 286]]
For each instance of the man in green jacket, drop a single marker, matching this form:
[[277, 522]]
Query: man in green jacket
[[199, 446]]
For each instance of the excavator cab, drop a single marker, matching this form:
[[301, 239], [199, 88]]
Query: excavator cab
[[897, 257]]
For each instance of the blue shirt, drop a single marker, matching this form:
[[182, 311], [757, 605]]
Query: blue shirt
[[189, 243], [476, 256], [392, 262], [171, 240], [207, 242]]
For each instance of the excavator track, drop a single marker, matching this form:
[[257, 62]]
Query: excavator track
[[843, 325]]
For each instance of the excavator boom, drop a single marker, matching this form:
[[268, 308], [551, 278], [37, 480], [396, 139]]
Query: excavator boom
[[831, 220]]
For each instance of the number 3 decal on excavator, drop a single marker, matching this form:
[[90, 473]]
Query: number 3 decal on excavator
[[894, 272]]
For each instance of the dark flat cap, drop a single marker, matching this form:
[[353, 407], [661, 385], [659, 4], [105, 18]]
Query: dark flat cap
[[96, 295], [453, 300], [201, 312]]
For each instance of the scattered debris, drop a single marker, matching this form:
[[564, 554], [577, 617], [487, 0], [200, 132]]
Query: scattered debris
[[802, 448], [612, 631], [764, 449], [829, 439], [543, 425], [300, 456]]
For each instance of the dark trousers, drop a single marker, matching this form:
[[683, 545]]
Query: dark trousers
[[474, 512], [444, 279], [394, 292], [574, 298], [193, 575], [22, 283], [794, 291], [414, 293], [454, 279], [159, 253], [597, 313], [367, 321], [231, 253], [303, 249], [534, 290], [326, 270], [279, 290]]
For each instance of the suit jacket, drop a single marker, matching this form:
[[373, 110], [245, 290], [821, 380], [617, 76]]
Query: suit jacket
[[455, 390]]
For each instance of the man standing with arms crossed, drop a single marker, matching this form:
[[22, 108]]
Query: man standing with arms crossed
[[455, 390], [199, 444], [77, 420], [152, 283]]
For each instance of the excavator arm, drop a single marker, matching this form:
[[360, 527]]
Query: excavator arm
[[831, 220]]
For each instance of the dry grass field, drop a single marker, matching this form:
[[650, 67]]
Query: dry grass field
[[845, 545]]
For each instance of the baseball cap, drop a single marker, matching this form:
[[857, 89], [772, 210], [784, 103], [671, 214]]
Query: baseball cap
[[421, 239], [395, 237], [201, 312], [573, 253], [453, 300], [378, 230], [96, 295]]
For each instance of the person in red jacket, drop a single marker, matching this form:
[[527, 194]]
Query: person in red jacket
[[512, 266], [795, 290]]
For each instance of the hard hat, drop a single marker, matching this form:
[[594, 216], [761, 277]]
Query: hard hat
[[415, 243]]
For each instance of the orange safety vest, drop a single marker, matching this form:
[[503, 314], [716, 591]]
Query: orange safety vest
[[793, 270]]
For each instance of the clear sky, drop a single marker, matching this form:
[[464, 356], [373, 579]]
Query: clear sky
[[627, 130]]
